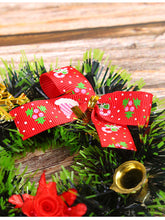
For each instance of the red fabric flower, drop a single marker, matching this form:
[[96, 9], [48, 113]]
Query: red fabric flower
[[47, 203]]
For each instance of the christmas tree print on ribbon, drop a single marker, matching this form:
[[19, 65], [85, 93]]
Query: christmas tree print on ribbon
[[37, 114], [136, 102], [60, 73], [129, 107]]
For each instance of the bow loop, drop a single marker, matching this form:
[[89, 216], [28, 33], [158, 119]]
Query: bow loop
[[65, 80]]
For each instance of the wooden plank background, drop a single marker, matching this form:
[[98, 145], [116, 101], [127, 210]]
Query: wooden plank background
[[133, 34]]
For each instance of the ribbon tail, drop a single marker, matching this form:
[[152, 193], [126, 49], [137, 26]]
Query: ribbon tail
[[126, 108], [38, 116], [113, 135]]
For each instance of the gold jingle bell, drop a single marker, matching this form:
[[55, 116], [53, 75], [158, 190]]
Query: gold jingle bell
[[131, 177]]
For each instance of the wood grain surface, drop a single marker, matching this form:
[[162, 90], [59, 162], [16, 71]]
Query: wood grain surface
[[132, 34]]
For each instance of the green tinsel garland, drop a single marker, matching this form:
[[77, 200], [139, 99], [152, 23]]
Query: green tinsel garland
[[95, 165]]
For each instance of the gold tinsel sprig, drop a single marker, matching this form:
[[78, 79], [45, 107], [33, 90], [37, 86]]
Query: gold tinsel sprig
[[7, 102]]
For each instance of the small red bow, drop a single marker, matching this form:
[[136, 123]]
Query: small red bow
[[111, 115]]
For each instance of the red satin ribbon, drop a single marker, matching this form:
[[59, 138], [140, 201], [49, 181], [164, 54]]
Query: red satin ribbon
[[111, 115]]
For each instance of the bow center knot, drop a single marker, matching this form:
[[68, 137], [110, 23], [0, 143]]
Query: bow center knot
[[86, 116]]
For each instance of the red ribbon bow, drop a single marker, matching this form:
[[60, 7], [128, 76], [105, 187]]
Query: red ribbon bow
[[111, 115]]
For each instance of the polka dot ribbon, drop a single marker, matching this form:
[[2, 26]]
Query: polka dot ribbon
[[66, 87]]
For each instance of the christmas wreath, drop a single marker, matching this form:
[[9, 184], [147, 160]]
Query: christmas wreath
[[116, 132]]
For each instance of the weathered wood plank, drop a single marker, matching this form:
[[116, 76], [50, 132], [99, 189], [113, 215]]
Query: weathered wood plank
[[46, 17], [154, 28]]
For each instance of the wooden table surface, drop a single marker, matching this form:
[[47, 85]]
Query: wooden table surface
[[133, 34]]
